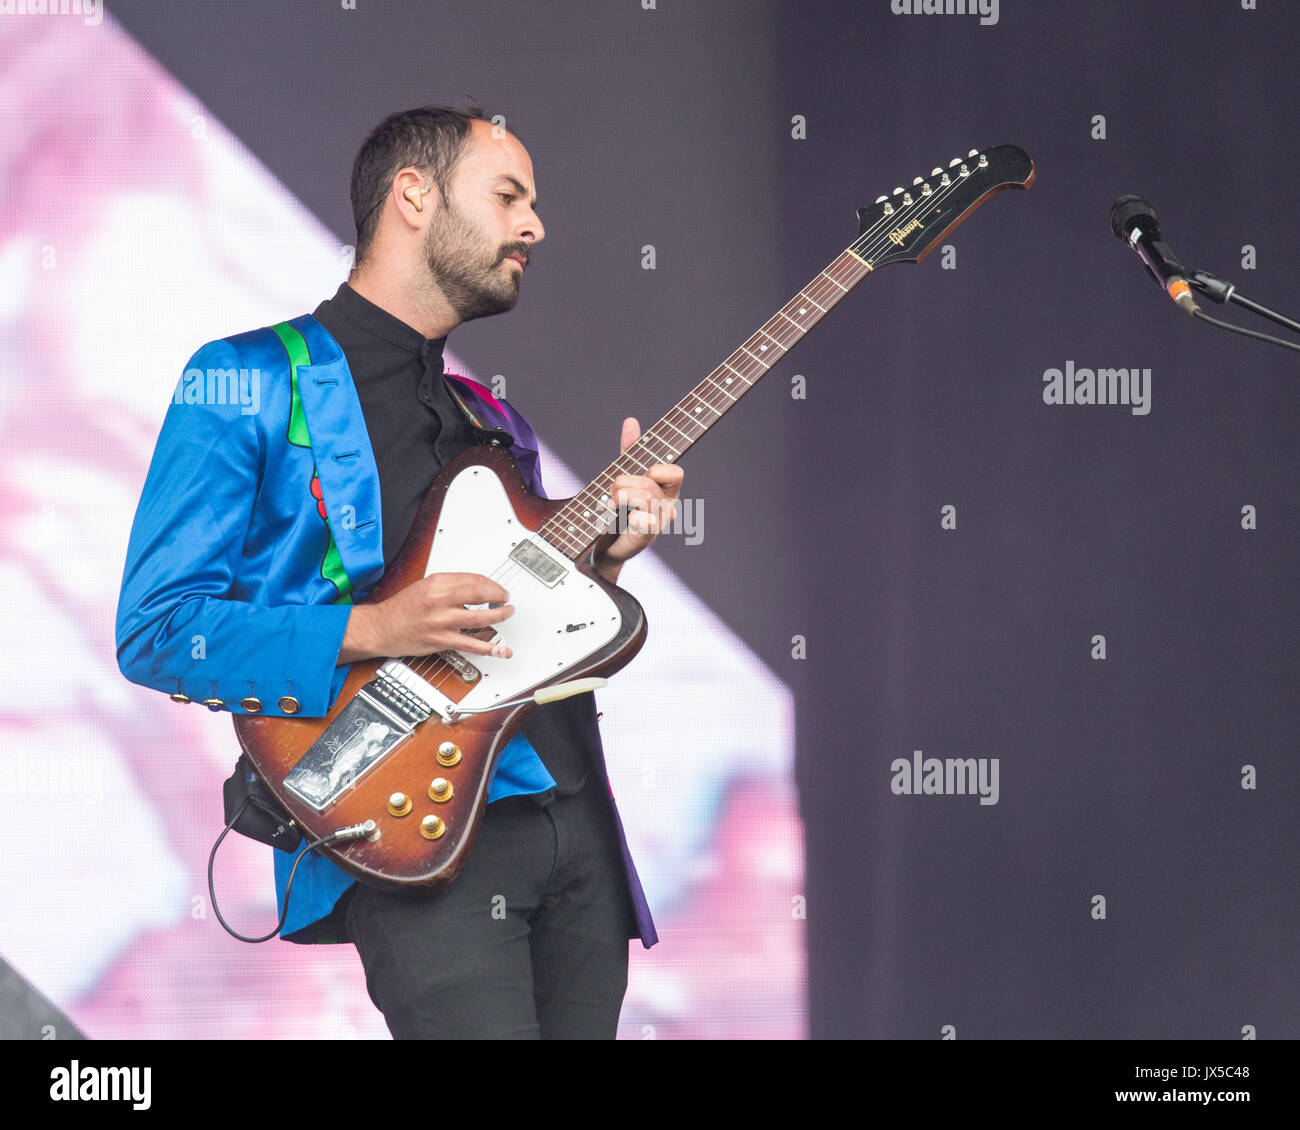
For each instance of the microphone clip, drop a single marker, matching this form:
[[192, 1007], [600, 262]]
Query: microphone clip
[[1214, 288]]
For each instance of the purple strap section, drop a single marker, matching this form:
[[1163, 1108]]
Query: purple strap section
[[499, 414]]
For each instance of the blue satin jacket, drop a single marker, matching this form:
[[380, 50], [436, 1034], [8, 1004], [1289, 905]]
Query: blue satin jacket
[[230, 593]]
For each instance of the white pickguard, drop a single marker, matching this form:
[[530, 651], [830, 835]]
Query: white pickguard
[[554, 626]]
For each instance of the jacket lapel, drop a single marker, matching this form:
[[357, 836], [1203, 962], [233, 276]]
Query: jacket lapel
[[349, 478]]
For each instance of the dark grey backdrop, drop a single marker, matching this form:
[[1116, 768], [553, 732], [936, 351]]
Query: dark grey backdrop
[[1119, 778]]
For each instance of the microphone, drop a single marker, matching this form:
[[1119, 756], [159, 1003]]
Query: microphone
[[1133, 221]]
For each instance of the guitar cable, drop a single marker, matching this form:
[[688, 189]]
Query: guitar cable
[[351, 832]]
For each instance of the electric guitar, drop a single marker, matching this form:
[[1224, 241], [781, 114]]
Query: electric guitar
[[394, 778]]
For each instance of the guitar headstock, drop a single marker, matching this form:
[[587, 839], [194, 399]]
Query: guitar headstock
[[905, 226]]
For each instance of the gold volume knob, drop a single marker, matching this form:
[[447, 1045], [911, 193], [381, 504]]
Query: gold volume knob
[[399, 804], [448, 754], [440, 790], [431, 827]]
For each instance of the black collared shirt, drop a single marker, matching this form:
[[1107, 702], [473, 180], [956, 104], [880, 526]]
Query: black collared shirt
[[415, 427], [414, 424]]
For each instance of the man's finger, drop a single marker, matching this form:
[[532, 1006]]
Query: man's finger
[[481, 615], [470, 588], [630, 434], [469, 644]]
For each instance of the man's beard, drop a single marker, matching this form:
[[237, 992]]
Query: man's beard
[[470, 279]]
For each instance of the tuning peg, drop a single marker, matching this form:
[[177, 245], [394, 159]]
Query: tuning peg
[[973, 153], [954, 162], [916, 182], [881, 199], [898, 191], [935, 172]]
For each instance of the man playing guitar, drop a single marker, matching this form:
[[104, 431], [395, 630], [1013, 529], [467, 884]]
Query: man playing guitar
[[256, 533]]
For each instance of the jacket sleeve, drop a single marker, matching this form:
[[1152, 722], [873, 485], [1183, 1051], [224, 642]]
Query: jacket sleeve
[[179, 630]]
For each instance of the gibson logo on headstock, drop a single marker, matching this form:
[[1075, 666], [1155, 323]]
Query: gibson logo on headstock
[[900, 234]]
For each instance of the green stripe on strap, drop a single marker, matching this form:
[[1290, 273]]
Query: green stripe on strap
[[295, 345]]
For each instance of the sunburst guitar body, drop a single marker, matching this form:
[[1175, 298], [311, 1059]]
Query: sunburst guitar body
[[410, 743]]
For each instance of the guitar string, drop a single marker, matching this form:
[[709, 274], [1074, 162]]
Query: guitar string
[[560, 538], [824, 284], [434, 666], [818, 289], [781, 337]]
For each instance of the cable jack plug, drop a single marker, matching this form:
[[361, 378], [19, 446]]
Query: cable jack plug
[[368, 830]]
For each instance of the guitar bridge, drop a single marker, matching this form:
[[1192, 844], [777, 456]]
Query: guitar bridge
[[388, 691]]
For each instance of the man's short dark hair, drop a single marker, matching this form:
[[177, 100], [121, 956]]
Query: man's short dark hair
[[431, 138]]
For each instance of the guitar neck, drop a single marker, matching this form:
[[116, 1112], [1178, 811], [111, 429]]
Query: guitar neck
[[577, 525]]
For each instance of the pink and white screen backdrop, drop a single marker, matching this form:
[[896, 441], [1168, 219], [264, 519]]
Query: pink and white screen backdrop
[[135, 228]]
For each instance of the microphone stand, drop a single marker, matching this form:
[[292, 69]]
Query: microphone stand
[[1219, 290]]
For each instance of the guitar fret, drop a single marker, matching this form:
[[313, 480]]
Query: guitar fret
[[845, 269], [688, 438], [809, 317], [672, 454], [701, 402], [653, 437], [576, 526], [710, 406], [722, 389]]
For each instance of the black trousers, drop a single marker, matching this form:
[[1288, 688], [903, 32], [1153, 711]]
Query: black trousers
[[529, 941]]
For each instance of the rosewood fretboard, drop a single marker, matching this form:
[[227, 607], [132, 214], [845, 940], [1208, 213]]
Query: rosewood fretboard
[[576, 526]]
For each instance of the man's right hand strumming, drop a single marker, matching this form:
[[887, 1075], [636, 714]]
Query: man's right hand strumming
[[427, 617]]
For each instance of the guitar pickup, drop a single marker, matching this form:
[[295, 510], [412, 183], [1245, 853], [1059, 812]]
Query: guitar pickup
[[463, 667], [539, 563]]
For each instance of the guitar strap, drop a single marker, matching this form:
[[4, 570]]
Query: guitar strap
[[484, 433], [295, 345]]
